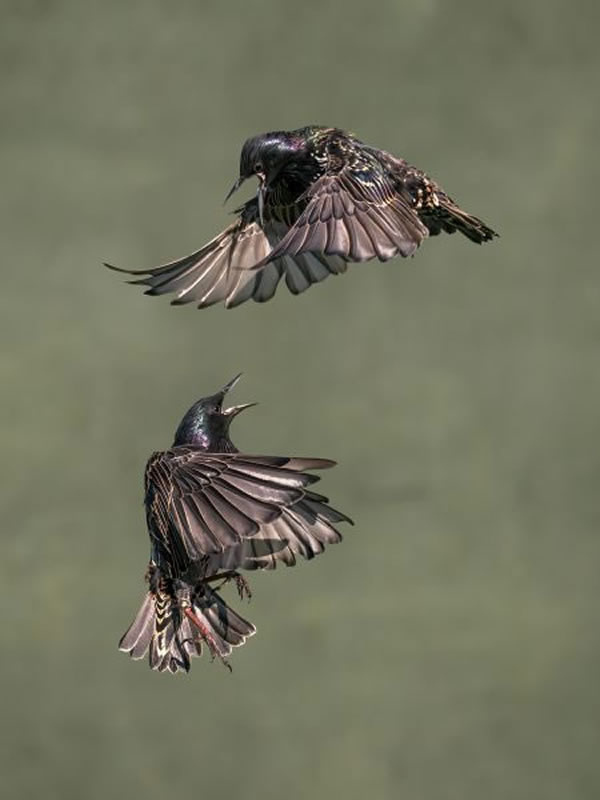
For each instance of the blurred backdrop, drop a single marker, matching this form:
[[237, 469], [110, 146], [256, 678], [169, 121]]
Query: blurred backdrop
[[449, 647]]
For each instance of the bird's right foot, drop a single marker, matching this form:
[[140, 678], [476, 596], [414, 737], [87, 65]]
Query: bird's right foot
[[241, 584]]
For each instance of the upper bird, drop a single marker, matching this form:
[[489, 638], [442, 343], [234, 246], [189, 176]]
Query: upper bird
[[324, 199], [212, 511]]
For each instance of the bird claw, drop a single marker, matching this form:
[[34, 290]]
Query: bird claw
[[243, 587], [241, 584]]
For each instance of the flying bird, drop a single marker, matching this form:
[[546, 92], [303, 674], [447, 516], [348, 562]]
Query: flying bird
[[324, 199], [212, 511]]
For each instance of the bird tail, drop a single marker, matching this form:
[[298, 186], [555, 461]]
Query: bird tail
[[172, 631], [451, 218]]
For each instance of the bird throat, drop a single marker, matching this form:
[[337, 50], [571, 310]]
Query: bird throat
[[211, 435]]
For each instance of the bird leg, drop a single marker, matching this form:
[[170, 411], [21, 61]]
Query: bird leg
[[241, 584], [206, 636], [262, 189]]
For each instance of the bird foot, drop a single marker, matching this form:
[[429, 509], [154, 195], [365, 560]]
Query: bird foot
[[241, 584], [243, 587]]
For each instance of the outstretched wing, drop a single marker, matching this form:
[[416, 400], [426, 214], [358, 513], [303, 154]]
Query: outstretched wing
[[223, 271], [302, 530], [202, 504], [353, 212]]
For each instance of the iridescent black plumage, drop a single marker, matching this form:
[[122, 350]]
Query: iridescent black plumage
[[212, 511], [325, 199]]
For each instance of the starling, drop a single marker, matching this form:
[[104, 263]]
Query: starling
[[212, 511], [324, 199]]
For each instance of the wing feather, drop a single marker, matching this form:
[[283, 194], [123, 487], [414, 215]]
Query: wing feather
[[203, 504], [355, 214]]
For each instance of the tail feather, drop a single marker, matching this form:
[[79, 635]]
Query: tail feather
[[136, 639], [161, 629], [449, 217]]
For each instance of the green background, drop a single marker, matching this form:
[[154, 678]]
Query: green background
[[449, 647]]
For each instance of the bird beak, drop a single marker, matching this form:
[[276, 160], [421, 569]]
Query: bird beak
[[230, 384], [262, 190], [235, 410], [234, 188]]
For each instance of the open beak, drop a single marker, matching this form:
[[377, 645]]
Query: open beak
[[234, 410], [234, 188], [230, 384], [262, 190]]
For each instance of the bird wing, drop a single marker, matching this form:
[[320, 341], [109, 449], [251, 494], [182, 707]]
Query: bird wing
[[224, 269], [218, 272], [302, 530], [202, 504], [354, 213]]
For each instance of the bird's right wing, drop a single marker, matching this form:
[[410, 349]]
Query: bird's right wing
[[223, 271], [201, 505], [218, 272], [301, 531]]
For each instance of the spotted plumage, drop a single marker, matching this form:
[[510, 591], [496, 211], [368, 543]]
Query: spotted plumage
[[325, 199], [212, 511]]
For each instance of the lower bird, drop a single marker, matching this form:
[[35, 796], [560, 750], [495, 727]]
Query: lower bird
[[324, 199], [212, 511]]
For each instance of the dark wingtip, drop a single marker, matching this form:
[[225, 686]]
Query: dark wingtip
[[128, 271], [488, 234]]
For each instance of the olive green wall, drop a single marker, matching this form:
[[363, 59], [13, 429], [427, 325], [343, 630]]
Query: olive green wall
[[449, 648]]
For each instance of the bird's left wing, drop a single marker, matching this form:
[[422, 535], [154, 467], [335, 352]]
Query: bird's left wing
[[353, 212]]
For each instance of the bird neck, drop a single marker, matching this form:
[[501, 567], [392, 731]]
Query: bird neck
[[194, 430]]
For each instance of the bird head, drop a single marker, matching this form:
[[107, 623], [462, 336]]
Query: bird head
[[265, 156], [206, 423]]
